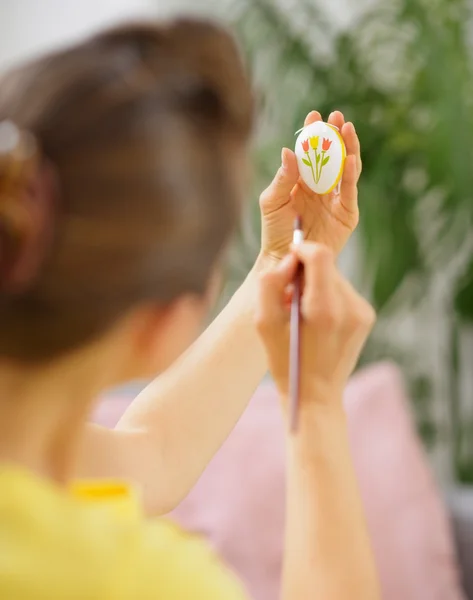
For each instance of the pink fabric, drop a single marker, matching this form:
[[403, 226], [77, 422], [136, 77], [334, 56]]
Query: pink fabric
[[238, 504], [407, 520]]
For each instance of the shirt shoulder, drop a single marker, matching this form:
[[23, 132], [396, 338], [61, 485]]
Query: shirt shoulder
[[94, 544], [185, 567]]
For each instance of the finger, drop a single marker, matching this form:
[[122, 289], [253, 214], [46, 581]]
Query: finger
[[319, 274], [278, 193], [352, 144], [272, 291], [312, 117], [288, 294], [337, 119], [301, 188], [349, 186]]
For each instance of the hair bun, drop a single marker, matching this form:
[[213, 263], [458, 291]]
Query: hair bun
[[25, 207]]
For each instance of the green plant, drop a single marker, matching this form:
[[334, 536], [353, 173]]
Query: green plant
[[403, 73]]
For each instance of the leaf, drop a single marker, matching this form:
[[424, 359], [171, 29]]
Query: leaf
[[317, 158], [325, 161], [306, 162]]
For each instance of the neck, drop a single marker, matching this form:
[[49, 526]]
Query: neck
[[43, 411]]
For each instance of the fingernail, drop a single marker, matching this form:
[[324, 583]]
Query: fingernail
[[331, 115], [284, 159], [286, 261]]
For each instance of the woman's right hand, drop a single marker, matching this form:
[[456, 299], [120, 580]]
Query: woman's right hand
[[327, 550], [335, 323]]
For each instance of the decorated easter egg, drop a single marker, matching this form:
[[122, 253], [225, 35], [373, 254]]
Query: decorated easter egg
[[321, 153]]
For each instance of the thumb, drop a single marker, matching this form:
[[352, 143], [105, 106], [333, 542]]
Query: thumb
[[272, 291], [279, 190]]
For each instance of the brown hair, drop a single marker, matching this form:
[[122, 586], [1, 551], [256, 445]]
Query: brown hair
[[139, 137]]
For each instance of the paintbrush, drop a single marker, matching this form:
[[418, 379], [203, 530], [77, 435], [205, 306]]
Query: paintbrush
[[294, 339]]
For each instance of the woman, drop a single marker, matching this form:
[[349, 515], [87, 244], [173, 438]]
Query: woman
[[139, 448], [120, 183]]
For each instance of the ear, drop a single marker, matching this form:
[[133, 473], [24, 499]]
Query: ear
[[159, 335]]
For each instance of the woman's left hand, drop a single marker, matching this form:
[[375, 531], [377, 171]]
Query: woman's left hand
[[328, 219]]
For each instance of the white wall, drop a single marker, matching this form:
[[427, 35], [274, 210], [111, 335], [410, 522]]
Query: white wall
[[31, 26]]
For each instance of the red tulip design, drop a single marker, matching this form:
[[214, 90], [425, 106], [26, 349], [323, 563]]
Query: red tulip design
[[308, 161], [326, 145]]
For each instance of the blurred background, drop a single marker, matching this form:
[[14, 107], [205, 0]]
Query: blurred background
[[401, 70]]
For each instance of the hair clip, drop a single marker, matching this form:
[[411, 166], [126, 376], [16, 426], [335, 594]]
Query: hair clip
[[9, 136], [18, 156], [28, 191]]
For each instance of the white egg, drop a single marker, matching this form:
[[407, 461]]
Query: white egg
[[321, 153]]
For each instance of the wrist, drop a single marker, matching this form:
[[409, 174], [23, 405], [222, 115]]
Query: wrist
[[249, 286], [326, 407], [265, 261], [317, 395], [320, 431], [320, 406]]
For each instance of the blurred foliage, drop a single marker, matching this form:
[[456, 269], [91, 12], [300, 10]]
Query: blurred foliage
[[403, 73]]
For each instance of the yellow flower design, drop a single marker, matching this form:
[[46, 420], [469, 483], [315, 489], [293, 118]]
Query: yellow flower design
[[314, 142]]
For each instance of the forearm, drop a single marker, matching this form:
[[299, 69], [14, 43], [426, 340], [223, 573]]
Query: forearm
[[180, 420], [327, 553]]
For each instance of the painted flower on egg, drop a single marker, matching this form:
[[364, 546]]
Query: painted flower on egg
[[320, 159], [321, 153], [326, 145]]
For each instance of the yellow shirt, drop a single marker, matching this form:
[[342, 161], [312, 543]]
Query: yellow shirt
[[93, 543]]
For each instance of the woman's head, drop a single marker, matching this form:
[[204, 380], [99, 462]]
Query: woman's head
[[120, 183]]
